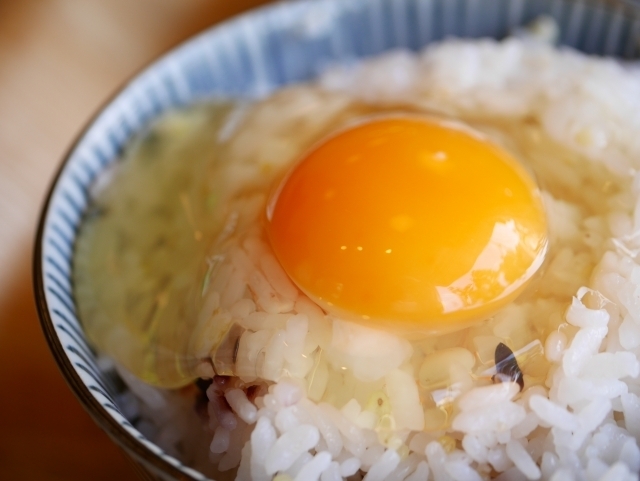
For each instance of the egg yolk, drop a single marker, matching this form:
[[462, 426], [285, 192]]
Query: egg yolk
[[411, 222]]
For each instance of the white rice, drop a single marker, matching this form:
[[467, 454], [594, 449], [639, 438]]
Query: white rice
[[344, 401]]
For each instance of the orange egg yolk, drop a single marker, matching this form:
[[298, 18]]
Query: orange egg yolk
[[409, 222]]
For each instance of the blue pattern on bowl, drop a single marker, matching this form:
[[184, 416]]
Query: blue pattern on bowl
[[249, 57]]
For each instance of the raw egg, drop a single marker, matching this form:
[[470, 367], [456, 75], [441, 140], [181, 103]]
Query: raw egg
[[408, 222]]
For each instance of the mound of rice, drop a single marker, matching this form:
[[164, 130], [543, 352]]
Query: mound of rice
[[318, 398]]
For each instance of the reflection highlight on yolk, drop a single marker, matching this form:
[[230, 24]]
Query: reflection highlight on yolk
[[409, 222]]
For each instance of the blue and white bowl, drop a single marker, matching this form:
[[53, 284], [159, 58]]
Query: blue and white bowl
[[250, 56]]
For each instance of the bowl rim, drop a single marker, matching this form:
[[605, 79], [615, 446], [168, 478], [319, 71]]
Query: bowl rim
[[133, 448], [98, 413], [122, 438]]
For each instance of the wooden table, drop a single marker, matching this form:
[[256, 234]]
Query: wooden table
[[59, 60]]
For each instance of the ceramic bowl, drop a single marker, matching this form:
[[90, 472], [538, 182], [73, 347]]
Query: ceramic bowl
[[250, 56]]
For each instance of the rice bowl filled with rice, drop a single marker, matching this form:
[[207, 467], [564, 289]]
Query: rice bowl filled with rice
[[263, 340]]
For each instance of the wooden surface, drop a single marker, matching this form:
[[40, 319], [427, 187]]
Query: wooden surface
[[59, 60]]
